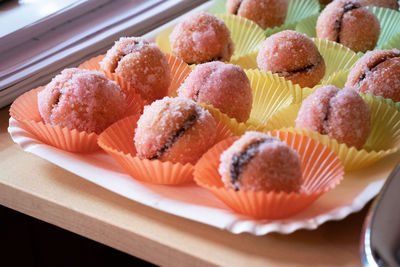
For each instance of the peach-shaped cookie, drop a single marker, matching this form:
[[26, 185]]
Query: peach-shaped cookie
[[340, 114], [294, 56], [201, 37], [174, 129], [225, 86], [140, 63], [83, 100], [257, 161]]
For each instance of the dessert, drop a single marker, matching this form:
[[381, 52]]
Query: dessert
[[266, 13], [225, 86], [392, 4], [83, 100], [200, 38], [377, 73], [349, 23], [258, 161], [142, 64], [340, 114], [294, 56], [174, 129]]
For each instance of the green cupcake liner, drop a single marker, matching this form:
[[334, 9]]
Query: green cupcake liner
[[218, 7], [297, 11], [393, 43], [307, 26], [390, 24]]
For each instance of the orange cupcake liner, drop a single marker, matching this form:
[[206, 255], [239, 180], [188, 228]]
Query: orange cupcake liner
[[117, 140], [179, 71], [322, 171], [25, 110]]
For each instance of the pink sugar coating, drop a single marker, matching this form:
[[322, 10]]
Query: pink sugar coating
[[266, 13], [274, 167], [225, 86], [201, 37], [163, 119], [142, 64], [380, 73], [341, 114], [83, 100], [349, 26]]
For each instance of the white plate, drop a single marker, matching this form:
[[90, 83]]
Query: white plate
[[197, 204]]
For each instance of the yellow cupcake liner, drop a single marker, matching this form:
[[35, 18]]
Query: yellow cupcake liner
[[270, 93], [337, 57], [297, 11], [236, 128], [337, 79], [393, 43], [246, 35], [389, 21], [383, 140]]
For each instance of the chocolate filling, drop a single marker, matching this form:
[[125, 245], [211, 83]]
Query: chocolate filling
[[236, 11], [186, 125], [338, 23], [240, 160], [374, 67], [307, 67]]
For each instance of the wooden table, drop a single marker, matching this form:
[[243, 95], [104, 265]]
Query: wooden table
[[40, 189]]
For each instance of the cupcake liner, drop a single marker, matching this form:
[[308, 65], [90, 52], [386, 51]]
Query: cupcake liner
[[270, 93], [246, 35], [393, 43], [337, 79], [297, 11], [117, 140], [389, 21], [25, 110], [179, 71], [307, 26], [235, 127], [322, 171], [337, 57], [383, 140]]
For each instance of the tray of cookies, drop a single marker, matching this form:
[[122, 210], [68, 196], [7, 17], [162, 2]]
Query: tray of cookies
[[231, 120]]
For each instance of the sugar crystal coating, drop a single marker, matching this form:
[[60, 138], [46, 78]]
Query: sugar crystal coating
[[340, 114], [200, 38], [294, 56], [266, 13], [344, 21], [265, 163], [225, 86], [174, 129], [142, 64], [377, 73], [81, 99]]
